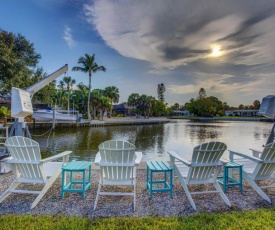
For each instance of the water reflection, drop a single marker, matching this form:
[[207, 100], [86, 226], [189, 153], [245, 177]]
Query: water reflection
[[155, 140], [199, 133]]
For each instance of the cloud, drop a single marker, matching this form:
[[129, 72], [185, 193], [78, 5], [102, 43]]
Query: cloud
[[181, 89], [178, 38], [68, 37], [170, 35]]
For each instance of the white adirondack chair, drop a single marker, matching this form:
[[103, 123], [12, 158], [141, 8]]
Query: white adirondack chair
[[118, 161], [28, 167], [260, 166], [203, 168]]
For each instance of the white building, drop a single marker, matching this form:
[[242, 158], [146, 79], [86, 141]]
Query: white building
[[181, 113], [242, 113]]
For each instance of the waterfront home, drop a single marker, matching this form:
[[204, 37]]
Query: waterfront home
[[242, 113], [123, 109], [181, 113]]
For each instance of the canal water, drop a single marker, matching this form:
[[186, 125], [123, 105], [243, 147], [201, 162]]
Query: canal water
[[155, 140]]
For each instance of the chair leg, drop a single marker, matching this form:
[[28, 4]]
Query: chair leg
[[189, 196], [46, 187], [185, 188], [97, 195], [14, 185], [253, 184], [223, 196], [134, 197]]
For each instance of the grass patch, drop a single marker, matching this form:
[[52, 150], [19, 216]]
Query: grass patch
[[258, 219]]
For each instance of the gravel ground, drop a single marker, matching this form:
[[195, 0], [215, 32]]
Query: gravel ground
[[114, 206]]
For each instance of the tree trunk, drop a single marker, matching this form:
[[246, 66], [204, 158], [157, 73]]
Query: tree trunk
[[89, 97], [101, 114], [111, 110], [68, 101]]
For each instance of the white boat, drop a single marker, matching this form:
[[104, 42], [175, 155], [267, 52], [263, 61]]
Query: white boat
[[48, 115]]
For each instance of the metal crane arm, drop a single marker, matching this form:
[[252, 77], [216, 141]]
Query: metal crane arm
[[21, 105], [40, 84]]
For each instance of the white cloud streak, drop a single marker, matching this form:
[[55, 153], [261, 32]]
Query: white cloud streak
[[68, 37]]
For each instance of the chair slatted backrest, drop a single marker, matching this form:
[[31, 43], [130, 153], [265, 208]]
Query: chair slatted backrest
[[26, 154], [205, 160], [267, 168], [117, 160]]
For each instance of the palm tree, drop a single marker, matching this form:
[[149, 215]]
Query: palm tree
[[96, 94], [113, 93], [151, 103], [88, 66], [161, 90], [60, 95], [61, 85], [133, 100], [82, 97], [69, 82], [104, 105]]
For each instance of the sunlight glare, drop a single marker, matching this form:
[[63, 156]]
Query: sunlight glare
[[216, 51]]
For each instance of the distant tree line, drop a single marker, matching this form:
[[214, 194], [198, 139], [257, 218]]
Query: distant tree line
[[212, 106]]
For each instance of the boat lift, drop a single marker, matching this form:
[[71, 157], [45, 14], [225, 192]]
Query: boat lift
[[267, 109], [21, 105]]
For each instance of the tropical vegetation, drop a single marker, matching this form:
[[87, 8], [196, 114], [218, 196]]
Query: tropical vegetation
[[18, 61], [147, 106], [161, 89], [88, 65], [211, 106], [4, 112], [112, 92]]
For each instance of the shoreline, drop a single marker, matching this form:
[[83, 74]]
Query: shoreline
[[106, 122], [203, 119], [119, 121]]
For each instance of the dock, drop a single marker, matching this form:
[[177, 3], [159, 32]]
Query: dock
[[99, 123]]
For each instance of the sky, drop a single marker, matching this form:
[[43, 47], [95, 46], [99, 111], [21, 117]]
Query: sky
[[226, 47]]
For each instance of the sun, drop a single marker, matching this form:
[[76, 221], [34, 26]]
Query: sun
[[216, 51]]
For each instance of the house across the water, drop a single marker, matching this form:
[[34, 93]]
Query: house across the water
[[242, 112], [123, 109], [181, 113]]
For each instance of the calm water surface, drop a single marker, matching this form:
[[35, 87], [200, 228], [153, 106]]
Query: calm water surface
[[155, 140]]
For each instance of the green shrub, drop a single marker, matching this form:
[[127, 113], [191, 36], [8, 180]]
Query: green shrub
[[120, 115], [4, 112]]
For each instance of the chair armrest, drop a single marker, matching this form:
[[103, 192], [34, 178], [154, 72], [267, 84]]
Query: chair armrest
[[219, 163], [232, 153], [138, 158], [174, 155], [256, 152], [224, 160], [64, 155]]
